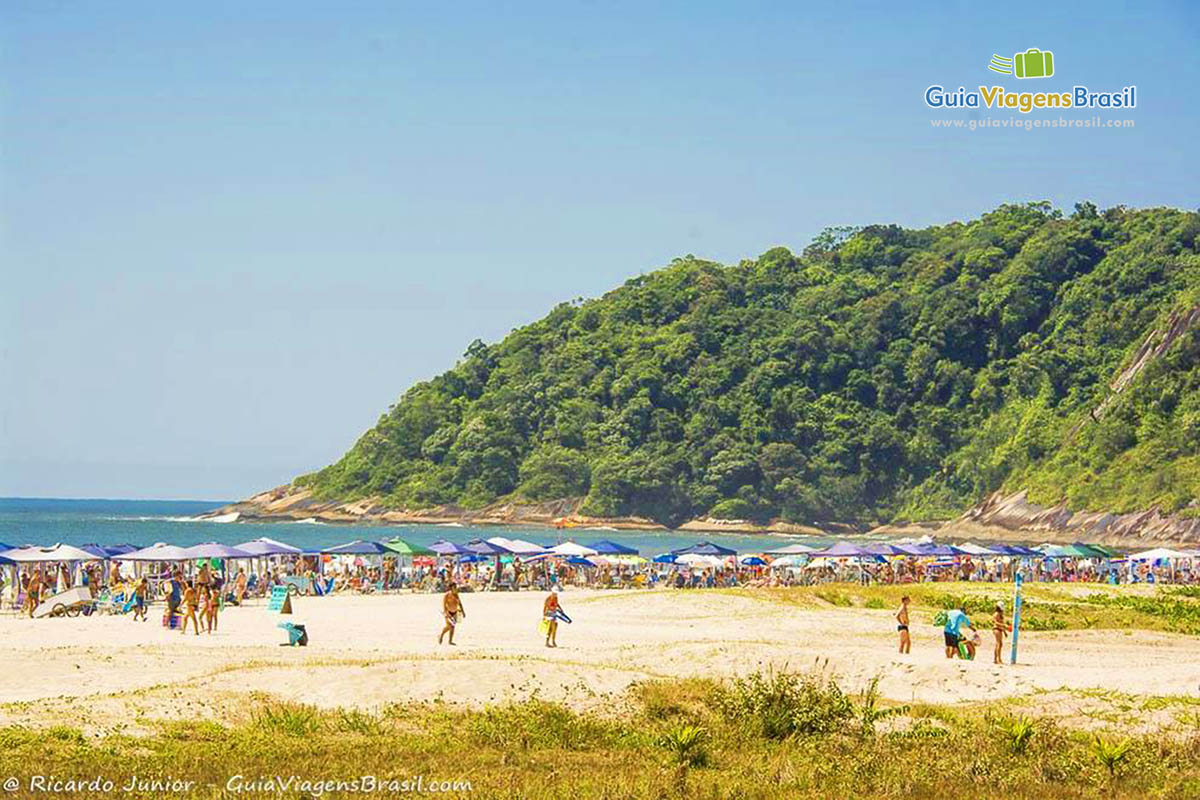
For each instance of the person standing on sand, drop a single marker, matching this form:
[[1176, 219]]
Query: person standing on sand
[[999, 628], [956, 619], [550, 615], [140, 592], [902, 626], [451, 607], [190, 601]]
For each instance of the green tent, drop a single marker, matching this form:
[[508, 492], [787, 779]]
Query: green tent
[[403, 547]]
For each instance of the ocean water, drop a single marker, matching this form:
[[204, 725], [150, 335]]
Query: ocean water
[[144, 522]]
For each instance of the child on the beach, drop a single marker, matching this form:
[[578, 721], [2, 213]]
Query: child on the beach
[[999, 628], [140, 593], [190, 602]]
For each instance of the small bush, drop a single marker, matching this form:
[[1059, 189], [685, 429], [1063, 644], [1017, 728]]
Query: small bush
[[777, 705], [289, 719], [686, 744]]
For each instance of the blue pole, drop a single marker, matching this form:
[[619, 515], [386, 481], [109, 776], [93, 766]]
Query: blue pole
[[1016, 623]]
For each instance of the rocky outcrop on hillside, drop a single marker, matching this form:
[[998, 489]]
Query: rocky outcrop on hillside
[[1013, 516]]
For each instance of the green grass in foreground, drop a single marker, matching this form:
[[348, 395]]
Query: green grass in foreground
[[1046, 607], [764, 736]]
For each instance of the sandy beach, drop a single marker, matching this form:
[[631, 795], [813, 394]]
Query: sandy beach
[[111, 673]]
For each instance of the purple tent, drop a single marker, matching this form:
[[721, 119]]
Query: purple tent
[[445, 548], [482, 547], [96, 550], [842, 550], [214, 550], [884, 549]]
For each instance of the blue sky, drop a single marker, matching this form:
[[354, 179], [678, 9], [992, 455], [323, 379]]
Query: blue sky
[[234, 233]]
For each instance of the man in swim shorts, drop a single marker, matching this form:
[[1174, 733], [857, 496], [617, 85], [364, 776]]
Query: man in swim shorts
[[902, 626]]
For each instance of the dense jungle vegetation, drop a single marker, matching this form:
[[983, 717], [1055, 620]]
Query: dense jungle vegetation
[[882, 374]]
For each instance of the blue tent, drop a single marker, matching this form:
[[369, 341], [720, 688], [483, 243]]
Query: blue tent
[[705, 549], [606, 547], [358, 548], [96, 550]]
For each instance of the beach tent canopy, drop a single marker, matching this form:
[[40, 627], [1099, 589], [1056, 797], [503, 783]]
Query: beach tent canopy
[[610, 548], [705, 549], [972, 549], [910, 549], [1148, 555], [1098, 551], [572, 549], [445, 548], [792, 550], [59, 552], [789, 561], [518, 547], [159, 551], [883, 549], [358, 547], [267, 547], [406, 548], [1015, 550], [699, 559], [938, 550], [96, 550], [480, 547], [842, 550], [216, 550]]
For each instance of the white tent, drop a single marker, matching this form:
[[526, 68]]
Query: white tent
[[519, 547], [159, 551], [792, 550], [59, 552], [572, 549], [975, 549], [1148, 555], [695, 560]]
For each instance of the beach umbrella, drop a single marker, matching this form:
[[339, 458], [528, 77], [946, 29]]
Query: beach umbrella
[[572, 549], [792, 550], [611, 548], [753, 561], [480, 547], [471, 558], [697, 559], [159, 551], [706, 549], [267, 547], [215, 550], [59, 552], [789, 561], [580, 561], [1156, 554], [665, 558], [1056, 551], [842, 550], [358, 547], [445, 548], [406, 548]]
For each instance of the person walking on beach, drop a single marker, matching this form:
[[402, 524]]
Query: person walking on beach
[[451, 608], [902, 625], [140, 592], [956, 620], [999, 628], [190, 602], [550, 616]]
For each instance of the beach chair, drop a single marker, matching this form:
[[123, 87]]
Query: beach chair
[[297, 635]]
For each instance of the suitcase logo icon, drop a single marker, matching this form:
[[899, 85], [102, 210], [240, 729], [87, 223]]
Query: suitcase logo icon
[[1033, 63]]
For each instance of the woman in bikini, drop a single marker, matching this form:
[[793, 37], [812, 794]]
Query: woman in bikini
[[999, 628], [902, 626], [190, 602]]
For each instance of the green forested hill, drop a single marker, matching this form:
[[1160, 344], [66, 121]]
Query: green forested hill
[[884, 374]]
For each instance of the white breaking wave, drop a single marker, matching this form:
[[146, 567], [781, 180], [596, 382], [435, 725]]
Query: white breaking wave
[[308, 521]]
